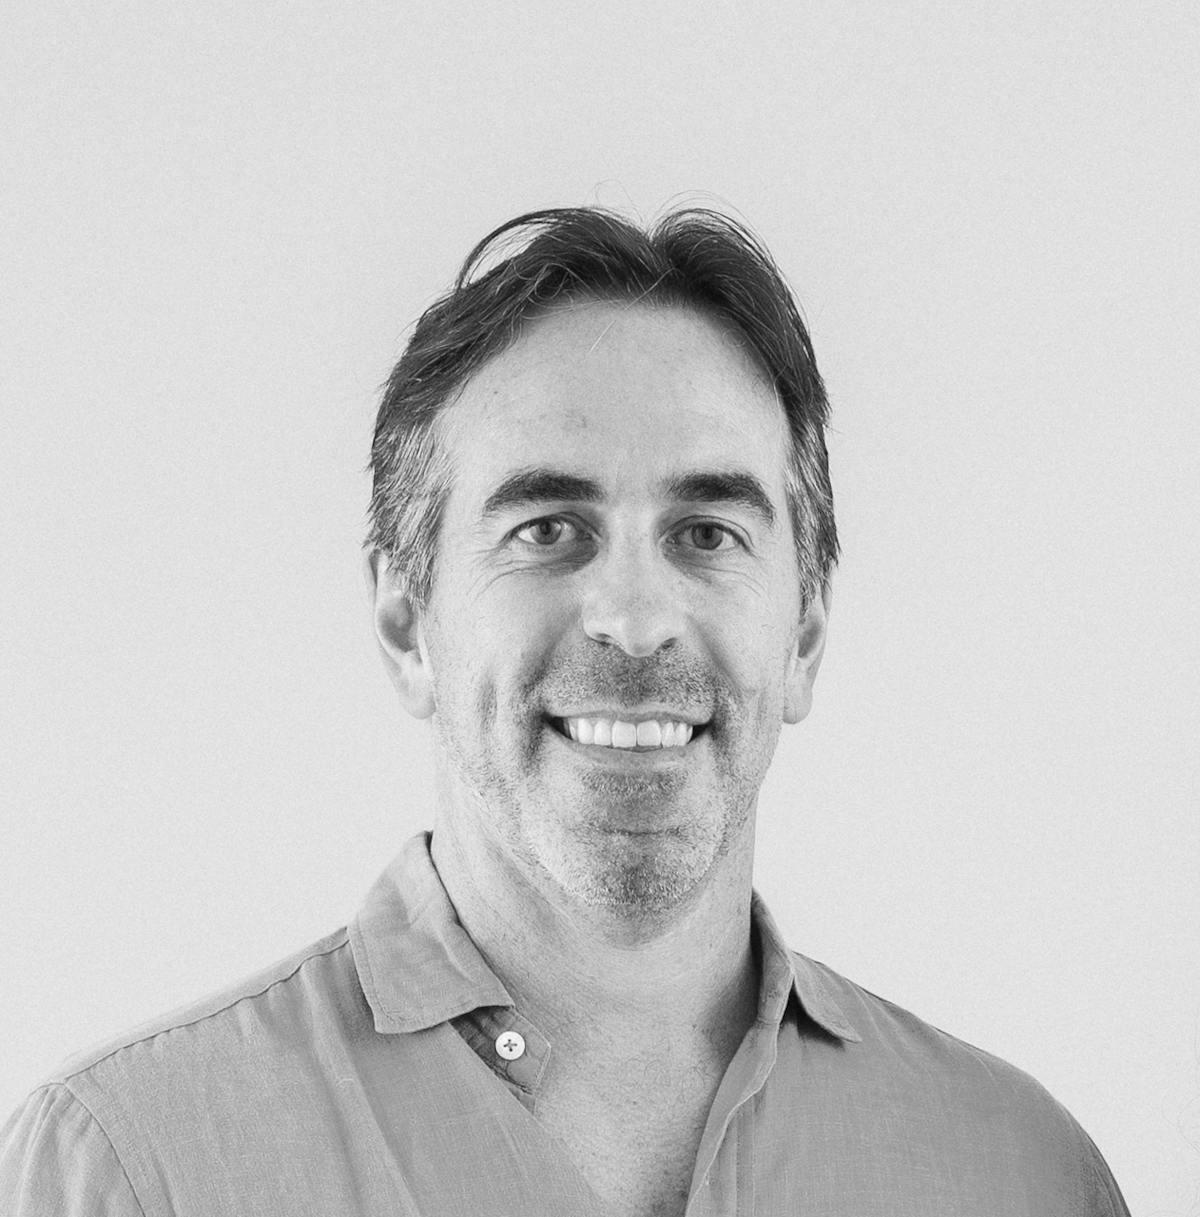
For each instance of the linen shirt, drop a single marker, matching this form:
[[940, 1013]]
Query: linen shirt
[[386, 1070]]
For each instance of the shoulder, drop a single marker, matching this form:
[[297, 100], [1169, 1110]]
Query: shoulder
[[892, 1034], [311, 988], [56, 1158], [183, 1089], [921, 1095], [938, 1078]]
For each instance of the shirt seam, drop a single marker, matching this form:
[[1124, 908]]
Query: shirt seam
[[200, 1018], [133, 1190]]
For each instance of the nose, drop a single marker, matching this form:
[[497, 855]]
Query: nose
[[633, 601]]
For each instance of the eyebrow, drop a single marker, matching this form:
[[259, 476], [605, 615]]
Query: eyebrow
[[726, 486], [530, 486], [540, 486]]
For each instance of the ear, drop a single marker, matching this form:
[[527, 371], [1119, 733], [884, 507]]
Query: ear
[[806, 659], [398, 628]]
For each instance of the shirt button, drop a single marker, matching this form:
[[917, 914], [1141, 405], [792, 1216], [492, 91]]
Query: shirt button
[[510, 1045]]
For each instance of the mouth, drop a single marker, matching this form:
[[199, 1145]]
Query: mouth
[[601, 731]]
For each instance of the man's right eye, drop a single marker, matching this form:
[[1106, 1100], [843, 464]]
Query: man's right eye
[[544, 532]]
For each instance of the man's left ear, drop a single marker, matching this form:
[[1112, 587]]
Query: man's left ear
[[806, 659]]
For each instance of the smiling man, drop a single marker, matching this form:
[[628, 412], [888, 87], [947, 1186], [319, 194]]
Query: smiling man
[[600, 563]]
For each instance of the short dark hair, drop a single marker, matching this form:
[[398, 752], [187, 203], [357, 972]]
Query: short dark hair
[[693, 258]]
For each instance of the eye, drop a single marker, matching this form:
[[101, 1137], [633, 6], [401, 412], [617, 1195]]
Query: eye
[[546, 532], [707, 536]]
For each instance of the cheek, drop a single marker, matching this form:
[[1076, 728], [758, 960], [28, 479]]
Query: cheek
[[754, 651], [518, 626], [485, 668]]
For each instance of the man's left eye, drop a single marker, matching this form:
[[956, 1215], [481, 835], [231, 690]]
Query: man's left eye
[[708, 536]]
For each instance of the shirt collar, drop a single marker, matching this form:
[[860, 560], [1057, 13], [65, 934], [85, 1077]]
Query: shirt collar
[[785, 972], [416, 964], [418, 967]]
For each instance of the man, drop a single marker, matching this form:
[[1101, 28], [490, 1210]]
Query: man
[[600, 558]]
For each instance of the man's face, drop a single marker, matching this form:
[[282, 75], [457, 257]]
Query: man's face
[[614, 635]]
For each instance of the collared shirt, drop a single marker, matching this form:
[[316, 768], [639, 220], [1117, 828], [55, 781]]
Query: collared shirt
[[386, 1070]]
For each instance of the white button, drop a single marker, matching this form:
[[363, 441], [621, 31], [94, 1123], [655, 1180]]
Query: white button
[[510, 1045]]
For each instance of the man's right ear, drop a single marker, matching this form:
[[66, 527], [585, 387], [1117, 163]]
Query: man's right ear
[[398, 628]]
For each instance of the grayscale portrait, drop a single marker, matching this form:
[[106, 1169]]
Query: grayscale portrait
[[599, 613]]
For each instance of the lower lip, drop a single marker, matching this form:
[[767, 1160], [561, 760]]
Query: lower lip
[[625, 758]]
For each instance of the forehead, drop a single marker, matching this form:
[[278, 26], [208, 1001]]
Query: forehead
[[625, 394]]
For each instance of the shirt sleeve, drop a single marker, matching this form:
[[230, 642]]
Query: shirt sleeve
[[56, 1161]]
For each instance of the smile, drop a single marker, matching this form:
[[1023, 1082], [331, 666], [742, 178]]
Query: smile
[[601, 731]]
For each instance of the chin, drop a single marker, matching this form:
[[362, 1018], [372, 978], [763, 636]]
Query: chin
[[633, 870]]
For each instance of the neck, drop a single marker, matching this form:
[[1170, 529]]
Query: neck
[[591, 977]]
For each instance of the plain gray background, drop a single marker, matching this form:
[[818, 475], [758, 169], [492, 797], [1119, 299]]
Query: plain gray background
[[220, 219]]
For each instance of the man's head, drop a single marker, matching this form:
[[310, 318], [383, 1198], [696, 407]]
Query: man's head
[[606, 591]]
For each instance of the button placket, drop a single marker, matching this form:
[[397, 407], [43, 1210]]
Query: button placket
[[518, 1051], [509, 1044]]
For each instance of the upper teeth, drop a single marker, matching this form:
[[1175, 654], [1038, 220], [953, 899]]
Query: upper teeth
[[615, 733]]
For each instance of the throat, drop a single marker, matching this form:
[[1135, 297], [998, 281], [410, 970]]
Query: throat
[[666, 1027], [633, 1130]]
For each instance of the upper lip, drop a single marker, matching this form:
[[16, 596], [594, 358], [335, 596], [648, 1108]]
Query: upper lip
[[640, 715]]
